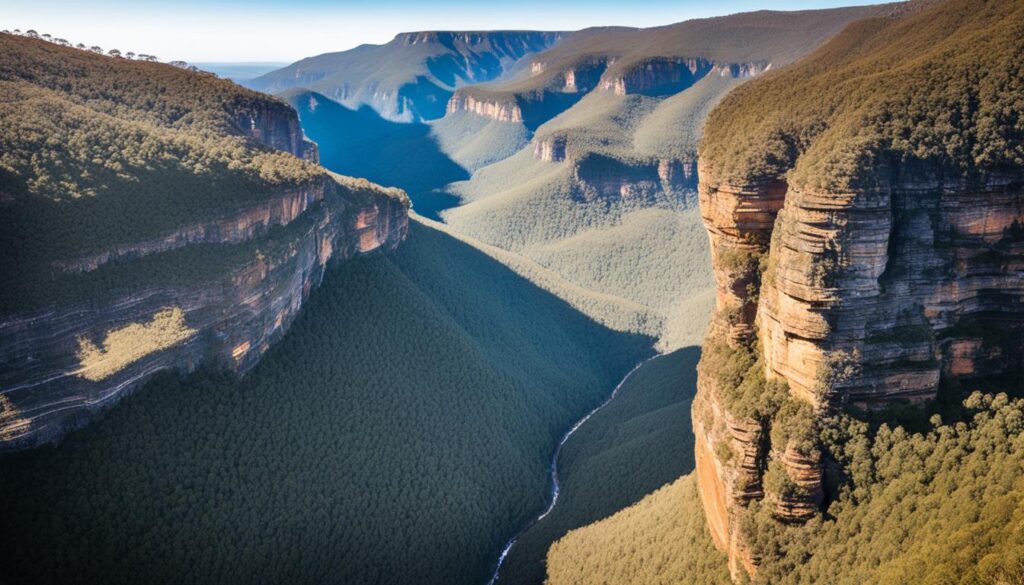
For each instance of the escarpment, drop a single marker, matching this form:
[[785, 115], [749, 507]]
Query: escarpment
[[277, 126], [669, 75], [603, 177], [550, 91], [494, 109], [241, 226], [199, 250], [62, 363], [857, 265]]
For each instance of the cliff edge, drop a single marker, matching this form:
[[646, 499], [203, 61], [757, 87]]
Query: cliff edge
[[866, 215]]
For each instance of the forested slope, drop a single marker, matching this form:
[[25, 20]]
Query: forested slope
[[398, 433], [630, 448], [939, 506]]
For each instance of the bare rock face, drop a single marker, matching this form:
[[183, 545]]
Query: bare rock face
[[916, 279], [854, 299], [583, 77], [499, 110], [242, 226], [603, 177], [277, 127], [61, 364], [730, 461], [666, 76], [550, 149]]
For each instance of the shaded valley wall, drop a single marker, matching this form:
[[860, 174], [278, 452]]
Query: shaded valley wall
[[851, 299], [59, 365]]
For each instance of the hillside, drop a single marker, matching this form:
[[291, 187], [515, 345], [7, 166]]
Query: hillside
[[411, 77], [152, 218], [940, 506], [605, 192], [660, 540], [398, 433], [635, 445]]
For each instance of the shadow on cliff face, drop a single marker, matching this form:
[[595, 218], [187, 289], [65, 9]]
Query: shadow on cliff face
[[398, 433], [360, 143]]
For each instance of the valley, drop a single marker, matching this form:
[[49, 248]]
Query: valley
[[439, 419], [731, 300]]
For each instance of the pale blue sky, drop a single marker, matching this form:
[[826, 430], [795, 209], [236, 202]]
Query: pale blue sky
[[278, 30]]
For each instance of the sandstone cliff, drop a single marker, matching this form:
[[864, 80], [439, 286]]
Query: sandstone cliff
[[61, 364], [165, 221], [855, 266], [552, 89]]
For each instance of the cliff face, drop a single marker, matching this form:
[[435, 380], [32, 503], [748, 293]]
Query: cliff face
[[869, 297], [242, 226], [495, 109], [277, 126], [855, 267], [919, 280], [535, 101], [601, 177], [61, 364]]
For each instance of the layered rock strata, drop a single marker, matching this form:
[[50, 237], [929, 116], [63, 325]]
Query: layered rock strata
[[666, 76], [603, 177], [856, 299], [51, 385], [277, 126], [502, 111]]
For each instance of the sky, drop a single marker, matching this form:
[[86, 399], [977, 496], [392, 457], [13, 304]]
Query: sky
[[285, 31]]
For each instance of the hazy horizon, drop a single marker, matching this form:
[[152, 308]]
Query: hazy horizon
[[231, 31]]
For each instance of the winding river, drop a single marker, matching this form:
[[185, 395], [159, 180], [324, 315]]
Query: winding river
[[555, 487]]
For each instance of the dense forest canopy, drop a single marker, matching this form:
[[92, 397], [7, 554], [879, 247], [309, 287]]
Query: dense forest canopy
[[946, 92], [943, 505]]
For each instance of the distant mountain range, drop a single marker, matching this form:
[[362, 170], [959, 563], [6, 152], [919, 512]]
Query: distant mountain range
[[412, 77]]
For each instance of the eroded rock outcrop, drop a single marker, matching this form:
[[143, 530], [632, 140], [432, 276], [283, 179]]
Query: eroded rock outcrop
[[277, 126], [859, 299], [598, 176], [60, 364], [552, 149], [669, 75], [500, 110], [864, 254], [907, 277]]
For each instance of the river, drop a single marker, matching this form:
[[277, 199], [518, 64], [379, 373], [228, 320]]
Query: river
[[554, 472]]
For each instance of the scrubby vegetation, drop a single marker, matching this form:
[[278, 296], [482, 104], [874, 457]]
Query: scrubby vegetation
[[640, 251], [939, 506], [936, 91], [635, 445], [399, 433], [98, 150], [474, 141], [662, 540]]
